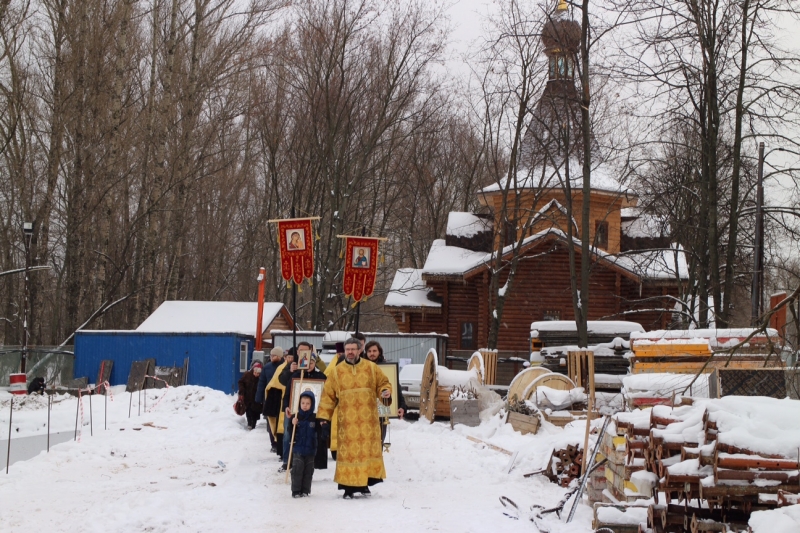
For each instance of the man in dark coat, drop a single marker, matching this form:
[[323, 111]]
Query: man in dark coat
[[247, 392], [321, 461], [275, 360]]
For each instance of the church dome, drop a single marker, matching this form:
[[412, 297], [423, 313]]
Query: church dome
[[561, 34]]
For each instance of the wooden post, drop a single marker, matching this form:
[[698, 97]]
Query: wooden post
[[490, 366], [294, 427], [588, 357]]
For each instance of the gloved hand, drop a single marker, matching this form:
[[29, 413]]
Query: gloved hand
[[324, 431]]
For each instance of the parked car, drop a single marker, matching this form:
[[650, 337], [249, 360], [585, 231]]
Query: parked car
[[410, 380]]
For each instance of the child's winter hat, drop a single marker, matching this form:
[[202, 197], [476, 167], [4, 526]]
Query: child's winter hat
[[255, 364]]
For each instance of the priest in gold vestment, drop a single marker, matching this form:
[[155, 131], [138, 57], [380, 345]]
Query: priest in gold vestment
[[353, 388]]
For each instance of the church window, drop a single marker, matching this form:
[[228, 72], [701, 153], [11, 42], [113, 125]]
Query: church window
[[467, 337], [601, 234], [551, 314], [561, 67]]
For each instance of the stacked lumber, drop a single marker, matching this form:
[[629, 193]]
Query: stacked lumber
[[708, 467], [692, 351], [621, 447], [565, 465]]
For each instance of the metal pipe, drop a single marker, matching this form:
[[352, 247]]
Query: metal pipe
[[91, 421], [77, 410], [589, 469], [49, 408], [756, 298], [10, 416], [24, 358]]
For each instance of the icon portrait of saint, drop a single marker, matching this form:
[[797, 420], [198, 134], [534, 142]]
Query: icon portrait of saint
[[295, 240], [361, 260]]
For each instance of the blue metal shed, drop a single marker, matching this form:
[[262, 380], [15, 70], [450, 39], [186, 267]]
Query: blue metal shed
[[217, 337], [216, 360]]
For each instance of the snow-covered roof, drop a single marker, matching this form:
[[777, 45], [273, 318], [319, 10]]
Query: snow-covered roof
[[655, 264], [209, 317], [409, 290], [549, 177], [715, 337], [460, 224], [605, 327], [444, 260]]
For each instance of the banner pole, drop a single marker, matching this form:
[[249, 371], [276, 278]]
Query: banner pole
[[294, 308], [294, 428], [358, 305]]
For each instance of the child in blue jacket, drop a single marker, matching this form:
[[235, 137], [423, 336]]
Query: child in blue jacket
[[305, 446]]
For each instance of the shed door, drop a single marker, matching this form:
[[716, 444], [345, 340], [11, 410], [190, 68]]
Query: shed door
[[243, 356]]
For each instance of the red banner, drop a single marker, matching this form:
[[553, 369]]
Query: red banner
[[360, 266], [296, 238]]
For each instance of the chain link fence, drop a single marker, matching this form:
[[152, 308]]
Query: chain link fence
[[53, 363]]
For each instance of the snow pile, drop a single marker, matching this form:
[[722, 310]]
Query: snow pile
[[597, 327], [664, 385], [447, 377], [547, 398], [757, 423], [781, 520], [630, 516]]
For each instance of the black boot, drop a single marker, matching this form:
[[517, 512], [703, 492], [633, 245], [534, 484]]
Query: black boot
[[348, 494]]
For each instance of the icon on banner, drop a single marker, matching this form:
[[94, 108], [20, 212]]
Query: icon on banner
[[361, 258], [296, 239]]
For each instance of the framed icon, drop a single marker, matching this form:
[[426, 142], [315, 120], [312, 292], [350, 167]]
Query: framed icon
[[361, 257], [303, 359], [298, 388], [391, 371], [296, 239]]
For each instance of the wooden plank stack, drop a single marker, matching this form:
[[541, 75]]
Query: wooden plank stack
[[706, 486], [620, 465]]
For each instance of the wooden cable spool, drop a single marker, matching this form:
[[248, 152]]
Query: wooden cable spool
[[476, 362], [521, 381], [551, 379], [428, 387]]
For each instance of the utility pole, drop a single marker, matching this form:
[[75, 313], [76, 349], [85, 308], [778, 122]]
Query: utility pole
[[27, 232], [756, 296]]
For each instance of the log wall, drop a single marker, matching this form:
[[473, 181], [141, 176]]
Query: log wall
[[542, 284]]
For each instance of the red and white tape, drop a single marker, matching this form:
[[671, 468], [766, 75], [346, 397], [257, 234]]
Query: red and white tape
[[162, 396]]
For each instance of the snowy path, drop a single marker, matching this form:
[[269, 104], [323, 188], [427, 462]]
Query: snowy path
[[153, 479]]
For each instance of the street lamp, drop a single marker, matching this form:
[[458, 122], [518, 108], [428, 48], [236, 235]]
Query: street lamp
[[27, 231]]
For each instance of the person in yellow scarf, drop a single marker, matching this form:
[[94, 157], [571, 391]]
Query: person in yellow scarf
[[352, 389], [274, 400]]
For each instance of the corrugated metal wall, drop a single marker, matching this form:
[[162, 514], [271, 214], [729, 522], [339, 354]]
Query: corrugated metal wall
[[395, 346], [213, 358], [284, 339], [414, 347]]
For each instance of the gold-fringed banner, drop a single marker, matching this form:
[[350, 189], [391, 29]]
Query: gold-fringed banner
[[296, 240], [360, 265]]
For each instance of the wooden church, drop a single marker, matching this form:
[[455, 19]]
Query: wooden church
[[635, 272]]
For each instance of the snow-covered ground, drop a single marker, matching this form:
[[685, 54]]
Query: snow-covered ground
[[188, 464]]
